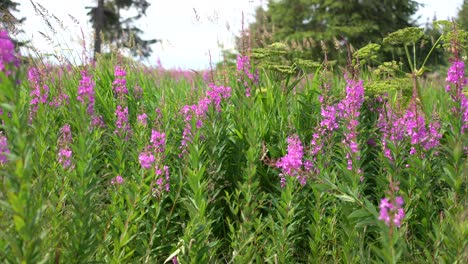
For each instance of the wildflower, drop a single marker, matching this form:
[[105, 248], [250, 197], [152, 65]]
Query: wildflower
[[391, 212], [39, 93], [199, 112], [120, 83], [7, 52], [162, 183], [59, 100], [142, 119], [216, 93], [349, 110], [121, 123], [456, 76], [291, 164], [456, 82], [411, 125], [86, 92], [158, 140], [329, 120], [98, 121], [245, 75], [65, 152], [3, 149], [117, 180], [146, 159]]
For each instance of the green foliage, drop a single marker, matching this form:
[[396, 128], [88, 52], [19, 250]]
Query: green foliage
[[406, 36], [304, 24], [463, 16]]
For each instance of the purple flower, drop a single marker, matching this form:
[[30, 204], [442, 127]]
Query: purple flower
[[39, 93], [391, 212], [121, 123], [86, 92], [65, 152], [199, 111], [456, 75], [349, 111], [411, 125], [329, 120], [292, 164], [456, 82], [146, 159], [142, 119], [7, 52], [117, 180], [120, 83], [98, 121], [158, 140], [162, 183], [246, 77], [217, 93], [3, 149]]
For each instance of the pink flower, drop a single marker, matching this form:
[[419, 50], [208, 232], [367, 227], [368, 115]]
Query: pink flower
[[86, 92], [142, 119], [3, 149], [65, 152], [292, 164], [117, 180], [146, 159], [7, 52], [391, 212], [121, 123]]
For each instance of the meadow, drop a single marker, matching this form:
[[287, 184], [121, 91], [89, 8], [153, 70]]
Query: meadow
[[115, 162]]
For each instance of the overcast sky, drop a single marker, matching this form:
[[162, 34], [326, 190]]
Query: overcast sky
[[186, 35]]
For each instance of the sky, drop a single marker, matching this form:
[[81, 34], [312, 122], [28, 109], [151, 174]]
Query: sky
[[191, 30]]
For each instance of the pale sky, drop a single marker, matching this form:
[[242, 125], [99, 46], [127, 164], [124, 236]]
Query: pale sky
[[187, 37]]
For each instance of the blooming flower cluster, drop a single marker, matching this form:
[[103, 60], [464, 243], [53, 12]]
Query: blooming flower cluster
[[142, 119], [349, 110], [98, 121], [392, 127], [456, 82], [65, 151], [56, 77], [411, 125], [40, 91], [153, 157], [123, 128], [391, 211], [292, 164], [86, 92], [162, 183], [120, 83], [7, 53], [246, 77], [3, 149], [118, 180], [197, 112]]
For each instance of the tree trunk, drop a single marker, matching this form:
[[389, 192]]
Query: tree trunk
[[98, 27]]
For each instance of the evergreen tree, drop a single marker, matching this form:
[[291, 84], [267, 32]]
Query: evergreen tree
[[108, 22], [8, 20], [463, 16], [334, 22]]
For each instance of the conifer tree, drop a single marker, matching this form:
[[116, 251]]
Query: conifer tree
[[108, 23]]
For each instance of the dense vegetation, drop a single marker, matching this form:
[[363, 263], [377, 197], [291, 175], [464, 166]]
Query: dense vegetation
[[114, 162]]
